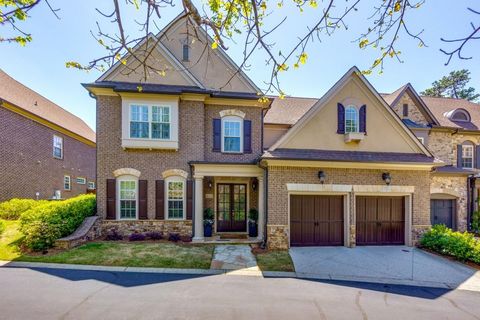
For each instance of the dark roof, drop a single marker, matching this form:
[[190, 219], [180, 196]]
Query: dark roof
[[346, 156], [25, 98], [453, 170], [119, 86], [288, 110], [413, 124]]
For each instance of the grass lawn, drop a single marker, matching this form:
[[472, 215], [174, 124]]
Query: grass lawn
[[274, 260], [108, 253]]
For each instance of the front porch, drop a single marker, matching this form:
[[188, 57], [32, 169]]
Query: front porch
[[230, 191]]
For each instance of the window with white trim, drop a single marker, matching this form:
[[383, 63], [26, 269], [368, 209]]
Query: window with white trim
[[175, 198], [67, 183], [351, 119], [127, 197], [232, 134], [91, 185], [467, 156], [57, 147], [150, 122], [81, 180]]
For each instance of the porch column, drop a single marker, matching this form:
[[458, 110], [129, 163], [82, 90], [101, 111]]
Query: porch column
[[198, 230], [261, 207]]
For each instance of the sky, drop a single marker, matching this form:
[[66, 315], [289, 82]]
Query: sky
[[40, 65]]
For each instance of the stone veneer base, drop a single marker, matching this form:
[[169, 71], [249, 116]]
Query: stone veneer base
[[125, 228]]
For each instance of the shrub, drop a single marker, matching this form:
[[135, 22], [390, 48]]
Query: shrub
[[2, 226], [461, 245], [476, 222], [114, 236], [154, 235], [44, 224], [136, 237], [174, 237], [12, 209]]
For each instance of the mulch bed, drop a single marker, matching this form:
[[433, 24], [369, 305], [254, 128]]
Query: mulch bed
[[468, 263]]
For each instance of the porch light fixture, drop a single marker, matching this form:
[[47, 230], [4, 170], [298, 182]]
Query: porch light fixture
[[254, 184], [387, 178], [210, 183], [322, 176]]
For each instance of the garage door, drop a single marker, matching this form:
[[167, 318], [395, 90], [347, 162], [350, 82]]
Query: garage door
[[380, 220], [316, 220], [442, 212]]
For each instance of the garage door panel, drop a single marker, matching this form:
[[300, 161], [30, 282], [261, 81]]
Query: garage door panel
[[321, 209], [398, 209], [336, 209], [336, 233], [295, 220], [322, 233], [383, 209], [370, 209]]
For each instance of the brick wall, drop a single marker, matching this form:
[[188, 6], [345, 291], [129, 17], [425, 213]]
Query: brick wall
[[27, 165], [278, 177]]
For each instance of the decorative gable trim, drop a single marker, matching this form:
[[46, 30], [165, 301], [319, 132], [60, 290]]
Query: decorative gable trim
[[331, 93], [165, 53]]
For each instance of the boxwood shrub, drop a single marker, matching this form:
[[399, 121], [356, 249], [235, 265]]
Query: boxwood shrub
[[12, 209], [44, 224], [461, 245]]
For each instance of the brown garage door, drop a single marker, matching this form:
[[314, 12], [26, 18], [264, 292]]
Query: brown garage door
[[316, 220], [380, 220]]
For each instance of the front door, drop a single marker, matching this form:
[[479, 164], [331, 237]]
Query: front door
[[231, 207], [442, 212]]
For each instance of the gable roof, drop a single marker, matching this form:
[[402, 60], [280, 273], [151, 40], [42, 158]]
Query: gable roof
[[440, 106], [288, 110], [28, 100], [330, 93], [164, 52]]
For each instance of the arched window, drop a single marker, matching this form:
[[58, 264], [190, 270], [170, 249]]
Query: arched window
[[127, 197], [461, 115], [351, 119]]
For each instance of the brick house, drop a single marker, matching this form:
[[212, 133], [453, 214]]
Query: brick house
[[46, 152], [345, 169]]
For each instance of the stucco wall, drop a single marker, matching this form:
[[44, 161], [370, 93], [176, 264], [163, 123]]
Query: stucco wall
[[27, 164]]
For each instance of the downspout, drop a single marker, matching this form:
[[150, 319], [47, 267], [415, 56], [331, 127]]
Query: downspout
[[96, 149], [265, 234]]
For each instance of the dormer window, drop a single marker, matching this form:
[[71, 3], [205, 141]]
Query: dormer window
[[351, 119], [461, 115]]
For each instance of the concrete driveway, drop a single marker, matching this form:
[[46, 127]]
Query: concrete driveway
[[386, 264]]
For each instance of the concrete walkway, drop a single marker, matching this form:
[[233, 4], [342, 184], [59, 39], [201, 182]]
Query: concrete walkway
[[385, 264], [234, 257]]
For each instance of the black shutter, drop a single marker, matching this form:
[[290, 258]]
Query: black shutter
[[477, 156], [363, 119], [247, 136], [159, 202], [459, 155], [111, 199], [142, 199], [340, 118], [217, 135], [189, 199]]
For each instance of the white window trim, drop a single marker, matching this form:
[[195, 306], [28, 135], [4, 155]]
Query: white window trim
[[464, 112], [231, 119], [149, 120], [69, 183], [357, 119], [175, 179], [469, 146], [126, 178], [91, 185], [61, 147], [81, 178], [149, 143]]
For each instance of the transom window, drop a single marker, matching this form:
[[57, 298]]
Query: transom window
[[467, 156], [127, 194], [58, 147], [351, 119], [67, 183], [232, 134], [175, 199], [150, 122]]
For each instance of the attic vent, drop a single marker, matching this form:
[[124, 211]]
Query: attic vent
[[186, 52]]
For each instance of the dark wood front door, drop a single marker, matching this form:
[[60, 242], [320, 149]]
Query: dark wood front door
[[231, 207], [380, 220], [316, 220], [443, 212]]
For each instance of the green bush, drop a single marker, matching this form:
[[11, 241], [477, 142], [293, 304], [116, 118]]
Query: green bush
[[461, 245], [44, 224], [2, 226], [12, 209], [476, 221]]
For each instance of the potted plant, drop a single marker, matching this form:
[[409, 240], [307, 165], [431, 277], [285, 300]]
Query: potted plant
[[207, 222], [252, 222]]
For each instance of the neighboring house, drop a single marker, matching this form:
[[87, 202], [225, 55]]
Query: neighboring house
[[340, 170], [46, 152]]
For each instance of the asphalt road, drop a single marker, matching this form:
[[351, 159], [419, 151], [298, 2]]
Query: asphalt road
[[76, 294]]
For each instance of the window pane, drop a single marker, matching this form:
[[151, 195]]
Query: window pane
[[160, 131], [175, 200], [139, 129], [139, 113], [128, 203], [351, 120], [231, 129], [231, 144]]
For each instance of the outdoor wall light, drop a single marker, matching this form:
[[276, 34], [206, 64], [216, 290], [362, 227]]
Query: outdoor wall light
[[210, 183], [322, 176], [387, 178], [254, 184]]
